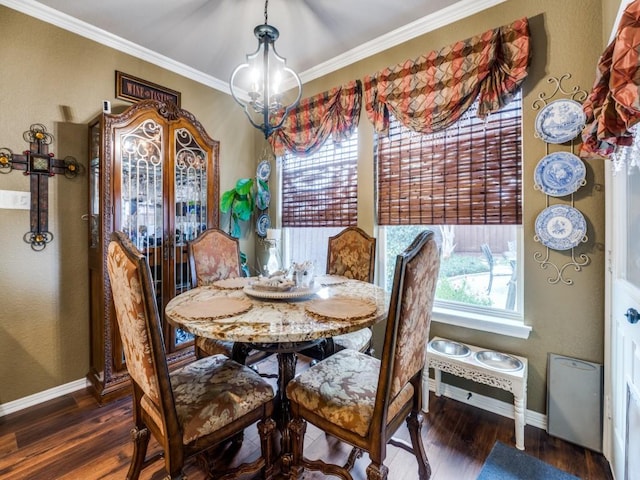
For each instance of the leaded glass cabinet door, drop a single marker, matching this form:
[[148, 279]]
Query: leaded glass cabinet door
[[141, 157], [153, 175], [138, 165], [190, 180]]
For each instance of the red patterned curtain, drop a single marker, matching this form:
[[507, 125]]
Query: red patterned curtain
[[432, 92], [613, 106], [334, 113]]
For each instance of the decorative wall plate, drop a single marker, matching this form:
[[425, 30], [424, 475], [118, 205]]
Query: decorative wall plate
[[262, 224], [560, 121], [262, 199], [561, 227], [264, 170], [559, 174]]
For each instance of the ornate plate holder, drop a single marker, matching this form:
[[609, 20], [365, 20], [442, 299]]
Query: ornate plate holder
[[543, 258]]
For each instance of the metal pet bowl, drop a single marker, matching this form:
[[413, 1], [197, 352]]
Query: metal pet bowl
[[450, 348], [499, 361]]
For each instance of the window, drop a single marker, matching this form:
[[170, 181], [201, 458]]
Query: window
[[463, 183], [319, 197]]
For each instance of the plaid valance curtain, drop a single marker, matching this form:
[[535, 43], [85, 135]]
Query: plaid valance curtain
[[334, 113], [613, 106], [432, 92]]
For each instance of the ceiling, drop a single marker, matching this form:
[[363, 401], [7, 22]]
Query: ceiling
[[206, 39]]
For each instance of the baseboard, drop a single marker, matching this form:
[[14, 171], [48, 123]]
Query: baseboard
[[489, 404], [40, 397]]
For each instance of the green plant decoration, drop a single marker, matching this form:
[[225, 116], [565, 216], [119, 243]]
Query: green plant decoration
[[240, 202]]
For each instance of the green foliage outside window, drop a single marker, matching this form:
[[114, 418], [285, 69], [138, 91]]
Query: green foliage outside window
[[398, 238]]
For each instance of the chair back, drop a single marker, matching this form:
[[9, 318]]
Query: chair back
[[352, 254], [137, 317], [409, 319], [213, 255]]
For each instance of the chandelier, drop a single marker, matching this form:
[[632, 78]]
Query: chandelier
[[259, 85]]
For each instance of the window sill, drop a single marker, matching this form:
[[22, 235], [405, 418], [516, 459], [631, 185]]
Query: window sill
[[512, 327]]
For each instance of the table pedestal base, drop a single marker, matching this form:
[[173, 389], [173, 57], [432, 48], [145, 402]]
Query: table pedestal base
[[286, 354]]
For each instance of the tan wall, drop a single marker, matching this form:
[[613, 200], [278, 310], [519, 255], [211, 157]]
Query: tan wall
[[566, 319], [59, 79], [43, 324], [609, 11]]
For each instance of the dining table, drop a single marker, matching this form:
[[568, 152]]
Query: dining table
[[281, 322]]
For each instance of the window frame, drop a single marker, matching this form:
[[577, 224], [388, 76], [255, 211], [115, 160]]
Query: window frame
[[486, 319], [490, 320]]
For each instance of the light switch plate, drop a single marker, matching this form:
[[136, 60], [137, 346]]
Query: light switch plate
[[15, 200]]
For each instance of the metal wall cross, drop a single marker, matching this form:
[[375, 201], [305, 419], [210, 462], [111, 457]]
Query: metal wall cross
[[39, 164]]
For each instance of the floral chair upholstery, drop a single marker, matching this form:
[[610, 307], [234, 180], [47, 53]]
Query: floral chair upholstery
[[213, 255], [193, 408], [352, 254], [362, 400]]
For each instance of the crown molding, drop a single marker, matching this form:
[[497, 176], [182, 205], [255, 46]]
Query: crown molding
[[71, 24], [426, 24], [446, 16]]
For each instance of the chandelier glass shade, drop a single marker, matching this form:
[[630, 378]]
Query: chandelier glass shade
[[264, 86]]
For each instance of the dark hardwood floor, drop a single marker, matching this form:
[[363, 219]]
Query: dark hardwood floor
[[73, 438]]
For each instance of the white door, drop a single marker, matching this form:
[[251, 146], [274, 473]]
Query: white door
[[622, 400]]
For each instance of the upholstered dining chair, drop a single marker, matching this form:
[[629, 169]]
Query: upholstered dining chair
[[215, 255], [362, 400], [351, 253], [194, 408]]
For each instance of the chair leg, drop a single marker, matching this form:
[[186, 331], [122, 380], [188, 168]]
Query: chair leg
[[414, 423], [266, 429], [297, 428], [140, 438], [377, 472]]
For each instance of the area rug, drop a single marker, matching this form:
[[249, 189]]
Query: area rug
[[507, 463]]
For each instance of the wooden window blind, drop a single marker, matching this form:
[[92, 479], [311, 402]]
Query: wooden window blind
[[468, 174], [321, 189]]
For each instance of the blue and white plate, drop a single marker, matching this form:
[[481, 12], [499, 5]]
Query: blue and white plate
[[559, 174], [560, 121], [264, 170], [561, 227], [262, 224], [263, 197]]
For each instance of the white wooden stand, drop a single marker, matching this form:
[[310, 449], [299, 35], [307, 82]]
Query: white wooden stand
[[468, 367]]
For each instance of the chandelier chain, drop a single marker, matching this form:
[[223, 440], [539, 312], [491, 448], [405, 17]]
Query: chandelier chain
[[266, 4]]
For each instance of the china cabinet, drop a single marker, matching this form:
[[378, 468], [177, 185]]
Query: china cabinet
[[154, 174]]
